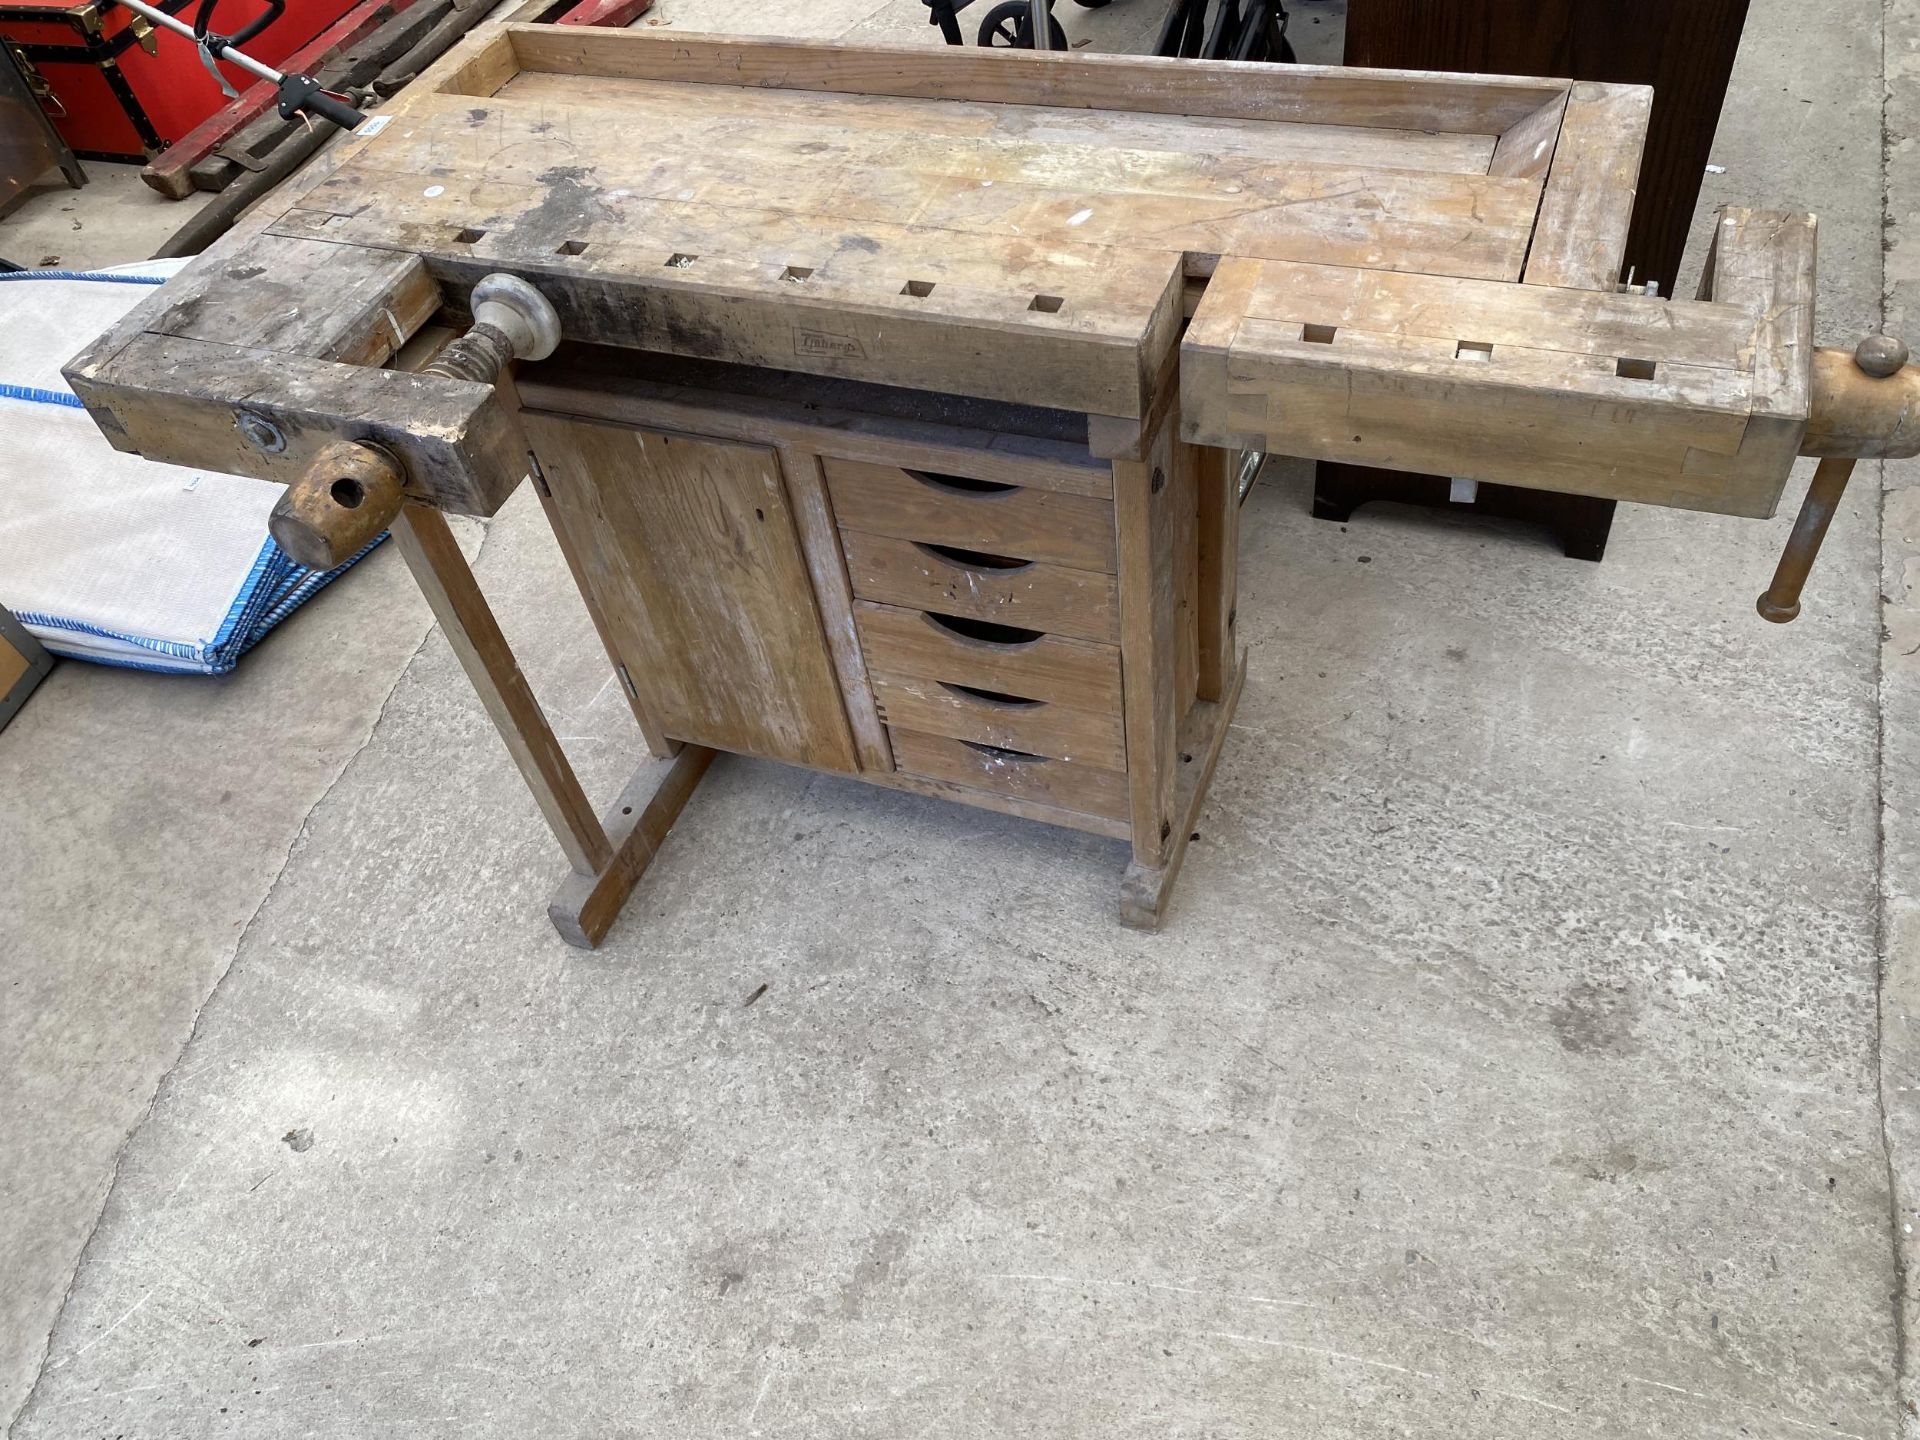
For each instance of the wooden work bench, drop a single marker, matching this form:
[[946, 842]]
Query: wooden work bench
[[895, 427]]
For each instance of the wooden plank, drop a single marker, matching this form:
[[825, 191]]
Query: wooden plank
[[479, 65], [1587, 392], [1145, 889], [880, 425], [1143, 501], [1091, 143], [834, 170], [374, 300], [1765, 261], [700, 574], [1005, 803], [1526, 150], [833, 593], [177, 401], [927, 506], [572, 516], [1069, 786], [441, 570], [1184, 504], [1216, 481], [1534, 317], [1587, 207], [1331, 95], [1034, 595], [1056, 668], [584, 908], [1525, 418], [1037, 727]]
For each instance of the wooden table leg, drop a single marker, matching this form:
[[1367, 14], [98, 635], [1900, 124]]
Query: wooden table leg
[[437, 564], [1145, 887], [607, 858], [584, 907]]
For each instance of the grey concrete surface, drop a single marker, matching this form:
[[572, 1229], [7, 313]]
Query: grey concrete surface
[[1508, 1067], [1900, 698], [111, 220], [146, 817]]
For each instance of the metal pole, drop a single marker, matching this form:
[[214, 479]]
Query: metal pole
[[226, 52], [1042, 19]]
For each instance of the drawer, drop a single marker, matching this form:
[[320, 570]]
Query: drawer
[[1039, 778], [1032, 594], [1079, 673], [1000, 718], [1035, 524]]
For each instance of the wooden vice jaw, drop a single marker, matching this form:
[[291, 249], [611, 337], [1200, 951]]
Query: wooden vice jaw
[[353, 489]]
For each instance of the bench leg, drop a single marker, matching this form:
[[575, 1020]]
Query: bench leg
[[584, 907]]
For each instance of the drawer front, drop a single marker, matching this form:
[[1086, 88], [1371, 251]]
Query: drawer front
[[1039, 778], [992, 717], [1032, 594], [1034, 524], [1056, 668]]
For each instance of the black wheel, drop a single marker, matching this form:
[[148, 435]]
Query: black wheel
[[1009, 25]]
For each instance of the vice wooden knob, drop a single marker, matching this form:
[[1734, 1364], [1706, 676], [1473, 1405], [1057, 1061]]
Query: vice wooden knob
[[346, 497]]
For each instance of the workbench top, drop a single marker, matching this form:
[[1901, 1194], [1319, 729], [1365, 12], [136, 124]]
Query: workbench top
[[1367, 259]]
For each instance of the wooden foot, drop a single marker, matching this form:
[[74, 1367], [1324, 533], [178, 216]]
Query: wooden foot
[[585, 906], [1144, 888]]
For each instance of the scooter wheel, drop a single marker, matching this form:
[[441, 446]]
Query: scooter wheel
[[1009, 25]]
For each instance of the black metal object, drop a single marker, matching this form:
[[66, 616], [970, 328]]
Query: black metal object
[[1009, 25], [29, 145], [1240, 29], [1256, 30]]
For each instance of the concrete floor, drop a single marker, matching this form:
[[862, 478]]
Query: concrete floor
[[1512, 1064]]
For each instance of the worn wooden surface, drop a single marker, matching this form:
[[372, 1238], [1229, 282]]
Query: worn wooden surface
[[700, 573], [1583, 390]]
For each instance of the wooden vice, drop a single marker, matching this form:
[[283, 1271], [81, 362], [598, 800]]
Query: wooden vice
[[895, 416]]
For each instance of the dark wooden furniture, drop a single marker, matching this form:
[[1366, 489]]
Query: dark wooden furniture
[[29, 145], [1684, 49]]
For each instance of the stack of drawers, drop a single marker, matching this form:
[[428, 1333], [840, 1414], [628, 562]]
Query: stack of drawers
[[989, 622]]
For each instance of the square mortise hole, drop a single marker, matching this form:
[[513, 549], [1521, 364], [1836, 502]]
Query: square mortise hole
[[468, 236], [679, 261], [1634, 369], [796, 273], [1047, 304], [918, 288], [1319, 334], [572, 247], [1474, 350]]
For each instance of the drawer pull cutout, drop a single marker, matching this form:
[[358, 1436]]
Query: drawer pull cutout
[[989, 697], [960, 485], [970, 559], [983, 632], [994, 752]]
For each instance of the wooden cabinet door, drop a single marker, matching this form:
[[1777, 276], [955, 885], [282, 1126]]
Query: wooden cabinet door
[[687, 552]]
